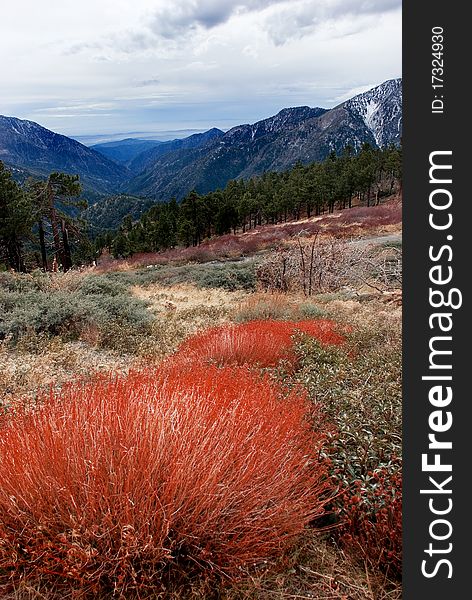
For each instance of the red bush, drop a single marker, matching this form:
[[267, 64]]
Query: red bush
[[257, 343], [111, 484], [388, 213]]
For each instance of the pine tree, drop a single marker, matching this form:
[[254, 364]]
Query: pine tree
[[16, 217], [52, 198]]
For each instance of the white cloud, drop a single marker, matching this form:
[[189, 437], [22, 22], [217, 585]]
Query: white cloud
[[163, 64]]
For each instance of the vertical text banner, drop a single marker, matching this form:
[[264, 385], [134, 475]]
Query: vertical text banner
[[437, 255]]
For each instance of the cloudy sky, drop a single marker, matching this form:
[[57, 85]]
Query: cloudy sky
[[97, 69]]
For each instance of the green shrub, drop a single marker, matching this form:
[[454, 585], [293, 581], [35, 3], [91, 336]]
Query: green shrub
[[359, 387], [308, 310], [54, 313], [102, 285], [15, 282], [72, 315], [230, 277]]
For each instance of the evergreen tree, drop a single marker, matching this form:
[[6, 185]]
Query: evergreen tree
[[54, 200], [16, 217], [270, 198]]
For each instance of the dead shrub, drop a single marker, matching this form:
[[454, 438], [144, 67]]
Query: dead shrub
[[327, 264]]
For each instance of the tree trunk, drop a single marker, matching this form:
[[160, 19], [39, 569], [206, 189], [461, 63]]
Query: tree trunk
[[65, 244], [42, 244], [55, 228], [302, 266], [15, 257]]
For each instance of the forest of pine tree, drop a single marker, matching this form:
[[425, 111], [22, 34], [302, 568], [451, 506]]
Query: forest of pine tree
[[40, 224]]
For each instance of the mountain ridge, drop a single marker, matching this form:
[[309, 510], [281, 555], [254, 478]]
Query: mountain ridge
[[207, 161], [195, 140], [27, 145], [294, 134], [124, 151]]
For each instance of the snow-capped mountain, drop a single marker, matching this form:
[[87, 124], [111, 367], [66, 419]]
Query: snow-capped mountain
[[207, 161], [381, 110], [287, 118], [294, 134]]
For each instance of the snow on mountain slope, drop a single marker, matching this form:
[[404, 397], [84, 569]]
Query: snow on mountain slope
[[381, 110]]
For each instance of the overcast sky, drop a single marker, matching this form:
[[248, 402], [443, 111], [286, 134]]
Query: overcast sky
[[157, 67]]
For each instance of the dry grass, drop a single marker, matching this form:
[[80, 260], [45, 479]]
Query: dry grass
[[186, 297], [182, 310], [314, 570], [378, 312], [38, 363], [266, 306]]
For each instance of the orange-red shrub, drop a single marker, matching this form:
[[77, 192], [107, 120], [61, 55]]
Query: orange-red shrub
[[263, 343], [113, 483]]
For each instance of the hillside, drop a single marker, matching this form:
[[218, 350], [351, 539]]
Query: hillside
[[97, 344], [148, 158], [124, 151], [38, 150], [295, 134]]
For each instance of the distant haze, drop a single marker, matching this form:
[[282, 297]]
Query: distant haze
[[101, 70], [90, 140]]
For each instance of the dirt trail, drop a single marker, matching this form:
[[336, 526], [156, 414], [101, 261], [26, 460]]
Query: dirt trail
[[389, 238]]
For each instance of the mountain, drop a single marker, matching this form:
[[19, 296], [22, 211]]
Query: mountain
[[149, 157], [295, 134], [212, 164], [35, 150], [206, 161], [124, 151], [109, 212], [137, 155], [381, 110]]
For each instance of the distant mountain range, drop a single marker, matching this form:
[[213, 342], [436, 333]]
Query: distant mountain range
[[138, 155], [274, 144], [124, 151], [206, 161]]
